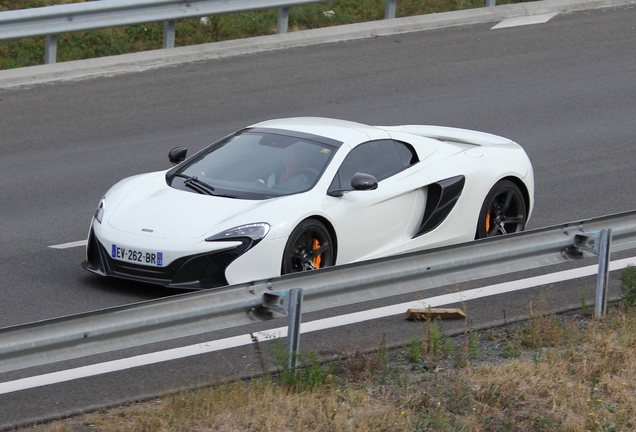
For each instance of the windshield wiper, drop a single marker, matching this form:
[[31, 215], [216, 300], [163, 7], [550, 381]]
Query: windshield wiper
[[197, 185], [202, 187]]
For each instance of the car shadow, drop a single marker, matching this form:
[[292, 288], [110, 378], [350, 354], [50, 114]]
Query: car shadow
[[135, 291]]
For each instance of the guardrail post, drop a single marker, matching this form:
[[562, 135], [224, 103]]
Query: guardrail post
[[283, 20], [293, 331], [490, 3], [288, 303], [50, 50], [602, 247], [389, 10], [168, 33]]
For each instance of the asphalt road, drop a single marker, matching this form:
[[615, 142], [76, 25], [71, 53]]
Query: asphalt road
[[563, 89]]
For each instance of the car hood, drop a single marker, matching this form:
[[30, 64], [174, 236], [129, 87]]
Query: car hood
[[152, 208]]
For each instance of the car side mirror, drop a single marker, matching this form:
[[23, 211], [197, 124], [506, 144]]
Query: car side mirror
[[363, 181], [177, 155], [359, 181]]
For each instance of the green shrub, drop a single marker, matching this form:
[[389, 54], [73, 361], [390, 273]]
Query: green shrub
[[628, 285]]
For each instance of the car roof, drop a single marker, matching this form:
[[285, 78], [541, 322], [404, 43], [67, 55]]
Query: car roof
[[345, 131]]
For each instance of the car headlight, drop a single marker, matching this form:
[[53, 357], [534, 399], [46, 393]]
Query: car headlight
[[99, 213], [255, 232]]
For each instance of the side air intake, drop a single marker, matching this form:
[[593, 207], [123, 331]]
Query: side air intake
[[441, 198]]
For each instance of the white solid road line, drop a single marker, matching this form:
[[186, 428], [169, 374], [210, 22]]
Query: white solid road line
[[322, 324], [524, 20], [69, 245]]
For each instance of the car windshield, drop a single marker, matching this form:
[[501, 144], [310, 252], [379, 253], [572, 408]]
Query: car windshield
[[256, 164]]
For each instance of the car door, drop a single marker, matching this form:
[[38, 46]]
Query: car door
[[375, 223]]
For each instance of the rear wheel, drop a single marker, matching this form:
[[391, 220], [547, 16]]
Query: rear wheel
[[503, 211], [309, 247]]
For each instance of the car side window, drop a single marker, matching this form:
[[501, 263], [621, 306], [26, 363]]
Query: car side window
[[407, 153], [381, 159]]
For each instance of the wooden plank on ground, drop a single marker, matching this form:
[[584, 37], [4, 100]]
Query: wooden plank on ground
[[423, 314]]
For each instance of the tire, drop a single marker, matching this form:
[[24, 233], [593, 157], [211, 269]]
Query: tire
[[503, 211], [309, 247]]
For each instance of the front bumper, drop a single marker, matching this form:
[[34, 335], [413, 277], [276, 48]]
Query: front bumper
[[199, 271]]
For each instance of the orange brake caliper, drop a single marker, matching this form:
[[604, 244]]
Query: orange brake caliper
[[488, 222], [318, 258]]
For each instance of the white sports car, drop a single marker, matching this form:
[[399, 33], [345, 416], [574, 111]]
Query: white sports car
[[298, 194]]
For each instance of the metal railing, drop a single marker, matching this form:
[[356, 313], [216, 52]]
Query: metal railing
[[52, 21], [190, 314]]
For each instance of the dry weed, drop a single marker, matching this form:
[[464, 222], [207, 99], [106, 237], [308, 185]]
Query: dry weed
[[587, 382], [235, 407]]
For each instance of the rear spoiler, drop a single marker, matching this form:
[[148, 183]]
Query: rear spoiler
[[443, 133]]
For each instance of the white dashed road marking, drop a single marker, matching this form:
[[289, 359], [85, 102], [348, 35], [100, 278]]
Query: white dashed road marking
[[69, 245], [525, 20]]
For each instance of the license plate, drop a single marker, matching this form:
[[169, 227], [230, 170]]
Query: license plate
[[137, 256]]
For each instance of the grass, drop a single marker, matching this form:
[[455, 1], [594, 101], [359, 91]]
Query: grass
[[569, 373], [143, 37], [628, 285]]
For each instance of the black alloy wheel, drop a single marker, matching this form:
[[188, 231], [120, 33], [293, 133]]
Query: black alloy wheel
[[309, 247], [503, 211]]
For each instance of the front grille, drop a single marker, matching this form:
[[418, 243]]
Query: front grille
[[208, 269], [196, 271]]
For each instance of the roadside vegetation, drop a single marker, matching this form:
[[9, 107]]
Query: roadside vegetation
[[113, 41], [550, 373]]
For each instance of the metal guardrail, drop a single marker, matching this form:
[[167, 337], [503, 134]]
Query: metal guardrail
[[68, 18], [51, 21], [189, 314]]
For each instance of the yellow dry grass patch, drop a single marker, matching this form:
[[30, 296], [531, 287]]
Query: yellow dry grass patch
[[586, 383], [591, 386], [236, 407]]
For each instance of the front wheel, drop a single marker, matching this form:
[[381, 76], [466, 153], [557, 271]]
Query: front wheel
[[309, 247], [503, 211]]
